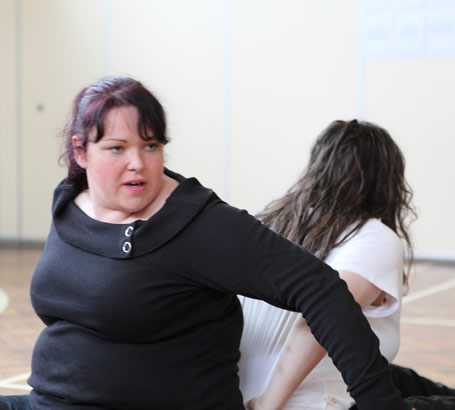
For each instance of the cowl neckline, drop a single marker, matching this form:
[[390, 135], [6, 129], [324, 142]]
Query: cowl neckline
[[133, 239]]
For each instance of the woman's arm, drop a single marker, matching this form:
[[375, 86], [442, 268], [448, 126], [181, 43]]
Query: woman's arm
[[237, 254], [301, 352]]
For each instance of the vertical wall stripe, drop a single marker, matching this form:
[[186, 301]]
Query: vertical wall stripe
[[19, 128], [227, 98], [107, 40], [360, 63]]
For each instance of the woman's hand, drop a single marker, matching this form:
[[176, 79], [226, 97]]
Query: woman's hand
[[257, 403], [252, 404]]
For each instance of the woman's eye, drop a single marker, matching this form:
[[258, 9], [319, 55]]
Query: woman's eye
[[115, 149], [151, 147]]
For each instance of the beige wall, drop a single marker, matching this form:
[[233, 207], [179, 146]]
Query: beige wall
[[8, 147], [412, 99], [247, 85]]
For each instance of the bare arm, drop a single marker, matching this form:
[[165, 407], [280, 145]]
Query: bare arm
[[301, 352]]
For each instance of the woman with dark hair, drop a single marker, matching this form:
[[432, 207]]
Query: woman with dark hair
[[137, 283], [352, 208]]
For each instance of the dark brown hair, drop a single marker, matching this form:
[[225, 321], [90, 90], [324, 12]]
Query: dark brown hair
[[355, 172], [89, 110]]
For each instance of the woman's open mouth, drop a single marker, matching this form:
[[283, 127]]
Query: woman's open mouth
[[137, 186]]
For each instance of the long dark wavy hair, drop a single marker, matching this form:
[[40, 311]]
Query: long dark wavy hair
[[355, 172], [90, 107]]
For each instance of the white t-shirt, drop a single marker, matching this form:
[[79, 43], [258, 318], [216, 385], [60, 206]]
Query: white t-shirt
[[375, 253]]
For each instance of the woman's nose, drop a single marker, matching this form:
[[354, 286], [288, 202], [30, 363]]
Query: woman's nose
[[135, 161]]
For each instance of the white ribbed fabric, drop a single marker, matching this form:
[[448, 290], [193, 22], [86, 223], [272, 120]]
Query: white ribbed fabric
[[375, 253]]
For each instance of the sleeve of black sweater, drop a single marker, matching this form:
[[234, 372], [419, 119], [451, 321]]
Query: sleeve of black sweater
[[242, 256]]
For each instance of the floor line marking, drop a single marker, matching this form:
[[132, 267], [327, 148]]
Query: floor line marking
[[428, 321], [13, 379], [419, 294], [13, 386], [4, 300]]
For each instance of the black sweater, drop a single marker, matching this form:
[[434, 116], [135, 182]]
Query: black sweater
[[145, 315]]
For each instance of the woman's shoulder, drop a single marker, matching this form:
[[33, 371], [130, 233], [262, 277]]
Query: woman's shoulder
[[373, 244], [375, 230]]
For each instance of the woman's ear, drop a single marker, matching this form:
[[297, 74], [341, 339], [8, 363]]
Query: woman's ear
[[79, 152]]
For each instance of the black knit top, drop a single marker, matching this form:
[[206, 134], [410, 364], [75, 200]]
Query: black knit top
[[145, 315]]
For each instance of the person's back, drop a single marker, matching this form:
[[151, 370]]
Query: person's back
[[374, 252]]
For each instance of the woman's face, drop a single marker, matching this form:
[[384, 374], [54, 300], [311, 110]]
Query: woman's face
[[124, 172]]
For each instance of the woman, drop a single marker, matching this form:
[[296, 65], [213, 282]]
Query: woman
[[350, 208], [137, 283]]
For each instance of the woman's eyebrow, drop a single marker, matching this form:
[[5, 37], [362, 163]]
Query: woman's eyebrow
[[113, 139]]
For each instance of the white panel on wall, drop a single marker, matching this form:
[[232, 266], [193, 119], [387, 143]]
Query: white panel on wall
[[8, 133], [62, 51], [294, 67], [176, 48], [412, 98]]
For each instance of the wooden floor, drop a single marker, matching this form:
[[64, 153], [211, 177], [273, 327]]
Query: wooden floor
[[428, 321]]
